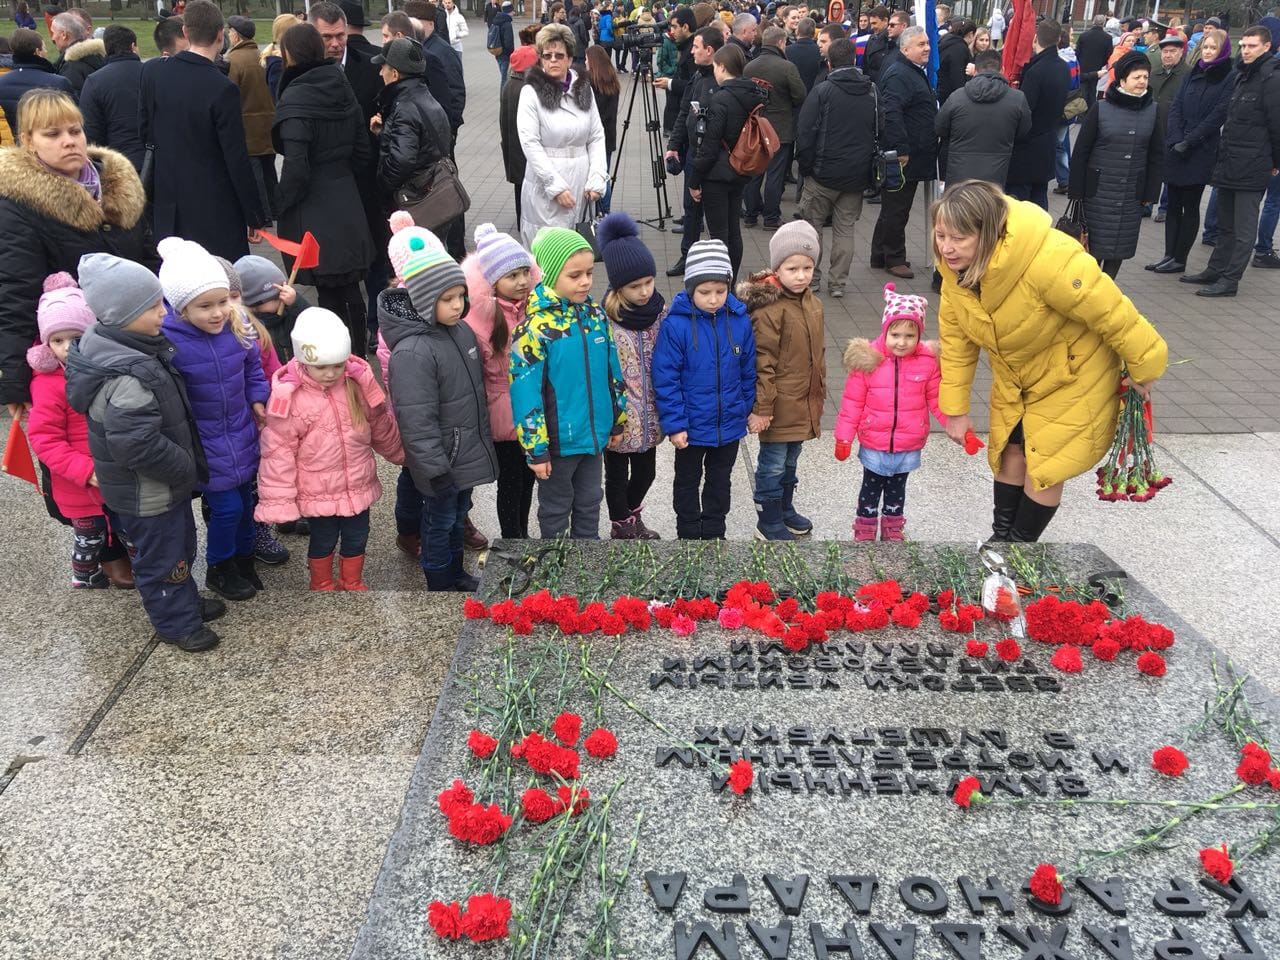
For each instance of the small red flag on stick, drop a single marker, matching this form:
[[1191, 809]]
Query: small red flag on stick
[[305, 253], [17, 455]]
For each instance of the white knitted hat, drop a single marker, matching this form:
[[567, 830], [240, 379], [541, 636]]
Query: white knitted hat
[[320, 338], [188, 270]]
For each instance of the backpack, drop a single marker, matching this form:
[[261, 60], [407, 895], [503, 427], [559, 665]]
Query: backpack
[[494, 40], [757, 143]]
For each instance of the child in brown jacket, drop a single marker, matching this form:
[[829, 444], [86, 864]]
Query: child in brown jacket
[[791, 374]]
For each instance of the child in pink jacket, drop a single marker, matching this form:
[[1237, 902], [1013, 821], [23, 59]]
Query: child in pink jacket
[[326, 417], [60, 437], [891, 389]]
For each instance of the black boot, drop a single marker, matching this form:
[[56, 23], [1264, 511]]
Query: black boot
[[1031, 521], [245, 566], [1006, 497], [211, 609], [224, 578], [463, 582], [797, 523], [199, 639]]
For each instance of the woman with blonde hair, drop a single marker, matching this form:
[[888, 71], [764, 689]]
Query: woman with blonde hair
[[1059, 337], [982, 40], [272, 59], [59, 199]]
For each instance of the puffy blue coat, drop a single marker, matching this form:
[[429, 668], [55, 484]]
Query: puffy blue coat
[[704, 371], [1196, 116], [224, 379]]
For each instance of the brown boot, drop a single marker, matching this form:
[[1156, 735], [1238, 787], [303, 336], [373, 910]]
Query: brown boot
[[350, 571], [321, 573], [410, 544], [473, 538], [119, 572]]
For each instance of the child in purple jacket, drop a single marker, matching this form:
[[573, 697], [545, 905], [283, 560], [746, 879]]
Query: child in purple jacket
[[222, 366]]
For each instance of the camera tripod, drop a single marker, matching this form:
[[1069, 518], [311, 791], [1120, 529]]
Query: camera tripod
[[642, 84]]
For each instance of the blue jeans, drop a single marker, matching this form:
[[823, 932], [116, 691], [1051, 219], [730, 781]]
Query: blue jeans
[[230, 529], [326, 532], [163, 549], [503, 64], [1268, 217], [444, 521], [1064, 156], [776, 469], [408, 505], [1210, 231]]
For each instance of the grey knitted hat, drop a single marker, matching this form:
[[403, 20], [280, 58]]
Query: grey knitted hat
[[258, 277], [707, 260], [428, 273], [792, 238], [118, 291]]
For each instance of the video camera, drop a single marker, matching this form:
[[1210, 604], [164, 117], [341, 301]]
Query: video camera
[[642, 36]]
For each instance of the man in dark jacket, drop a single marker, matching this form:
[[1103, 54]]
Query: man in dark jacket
[[954, 57], [1046, 83], [1167, 76], [828, 35], [786, 93], [683, 26], [978, 125], [444, 74], [413, 129], [684, 135], [908, 110], [30, 70], [353, 11], [81, 53], [1093, 50], [205, 189], [803, 52], [882, 49], [1248, 156], [109, 100], [502, 22], [745, 34], [834, 147]]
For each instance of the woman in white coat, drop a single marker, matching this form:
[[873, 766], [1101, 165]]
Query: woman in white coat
[[562, 138]]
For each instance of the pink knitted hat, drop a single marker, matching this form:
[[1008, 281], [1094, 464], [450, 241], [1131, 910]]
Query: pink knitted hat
[[403, 230], [902, 306], [62, 307]]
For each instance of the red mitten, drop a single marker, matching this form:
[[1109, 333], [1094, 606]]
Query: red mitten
[[843, 449], [971, 443]]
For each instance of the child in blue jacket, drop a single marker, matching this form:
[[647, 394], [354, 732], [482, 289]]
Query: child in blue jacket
[[704, 377]]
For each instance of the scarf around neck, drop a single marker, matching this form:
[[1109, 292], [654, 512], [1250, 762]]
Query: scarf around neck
[[644, 316]]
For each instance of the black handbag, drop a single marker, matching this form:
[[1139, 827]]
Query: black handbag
[[1072, 223], [588, 220], [148, 172], [434, 196]]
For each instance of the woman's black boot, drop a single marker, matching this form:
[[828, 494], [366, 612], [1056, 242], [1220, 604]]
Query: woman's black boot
[[1005, 497], [1031, 521]]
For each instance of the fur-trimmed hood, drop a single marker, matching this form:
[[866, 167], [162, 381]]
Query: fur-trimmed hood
[[85, 48], [759, 290], [861, 355], [24, 180], [551, 93]]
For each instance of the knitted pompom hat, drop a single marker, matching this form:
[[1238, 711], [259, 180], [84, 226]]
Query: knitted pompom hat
[[903, 306], [626, 258], [498, 253], [552, 247], [187, 270], [62, 309], [428, 273], [320, 338], [707, 260], [403, 229]]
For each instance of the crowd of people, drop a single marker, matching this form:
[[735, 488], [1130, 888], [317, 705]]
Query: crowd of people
[[170, 363]]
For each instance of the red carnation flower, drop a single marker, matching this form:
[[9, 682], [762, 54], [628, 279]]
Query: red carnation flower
[[1067, 659], [580, 799], [1217, 863], [522, 625], [613, 625], [567, 727], [787, 609], [455, 798], [601, 743], [1152, 664], [486, 918], [1008, 650], [1046, 885], [965, 790], [918, 602], [479, 824], [741, 776], [1273, 779], [975, 648], [473, 609], [886, 593], [503, 613], [1104, 648], [1170, 761], [445, 919], [538, 805], [905, 615], [1255, 765], [946, 599], [481, 744]]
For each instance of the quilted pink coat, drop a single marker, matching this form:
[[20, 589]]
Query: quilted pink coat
[[887, 400], [60, 437], [315, 462]]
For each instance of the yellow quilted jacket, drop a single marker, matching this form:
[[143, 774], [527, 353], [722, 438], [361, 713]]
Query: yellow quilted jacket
[[1057, 332]]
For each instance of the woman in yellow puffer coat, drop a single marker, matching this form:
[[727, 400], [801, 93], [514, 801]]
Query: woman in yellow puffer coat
[[1059, 335]]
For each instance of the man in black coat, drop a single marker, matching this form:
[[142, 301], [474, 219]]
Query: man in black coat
[[353, 10], [444, 73], [1248, 156], [109, 100], [954, 57], [908, 109], [1093, 50], [1046, 83], [683, 26], [882, 49], [30, 70], [804, 53], [835, 140], [205, 188], [979, 124], [81, 53]]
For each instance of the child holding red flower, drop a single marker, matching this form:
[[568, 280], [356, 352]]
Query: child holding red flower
[[891, 390]]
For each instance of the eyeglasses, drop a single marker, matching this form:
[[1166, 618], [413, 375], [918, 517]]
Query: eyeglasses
[[555, 56]]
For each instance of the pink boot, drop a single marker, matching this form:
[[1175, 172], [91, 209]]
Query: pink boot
[[891, 527], [864, 528]]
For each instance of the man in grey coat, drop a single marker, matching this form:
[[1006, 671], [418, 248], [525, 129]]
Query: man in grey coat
[[764, 193], [979, 123]]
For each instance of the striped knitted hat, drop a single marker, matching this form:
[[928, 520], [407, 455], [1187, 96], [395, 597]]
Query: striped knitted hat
[[428, 273], [707, 260], [552, 247], [499, 254], [403, 230]]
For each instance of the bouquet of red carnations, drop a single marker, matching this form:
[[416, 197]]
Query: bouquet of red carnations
[[1130, 471]]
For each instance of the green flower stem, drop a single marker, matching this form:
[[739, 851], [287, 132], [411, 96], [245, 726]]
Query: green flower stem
[[1257, 843], [1196, 806]]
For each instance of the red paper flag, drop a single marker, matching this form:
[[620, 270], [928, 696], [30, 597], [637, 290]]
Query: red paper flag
[[307, 252], [284, 246], [17, 455]]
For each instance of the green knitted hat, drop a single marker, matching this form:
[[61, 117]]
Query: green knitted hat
[[551, 247]]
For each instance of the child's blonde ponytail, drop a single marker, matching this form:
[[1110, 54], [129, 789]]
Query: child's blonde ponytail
[[355, 403]]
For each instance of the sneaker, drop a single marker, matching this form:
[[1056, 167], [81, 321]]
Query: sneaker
[[267, 548], [837, 293], [92, 581], [1160, 216], [1268, 260]]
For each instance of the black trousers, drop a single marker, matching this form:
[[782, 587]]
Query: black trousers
[[1238, 212], [515, 490], [889, 239], [1182, 221], [627, 478], [1037, 193], [700, 513], [1110, 267], [763, 194], [722, 209], [350, 306]]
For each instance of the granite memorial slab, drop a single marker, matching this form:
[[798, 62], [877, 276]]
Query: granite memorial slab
[[790, 788]]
